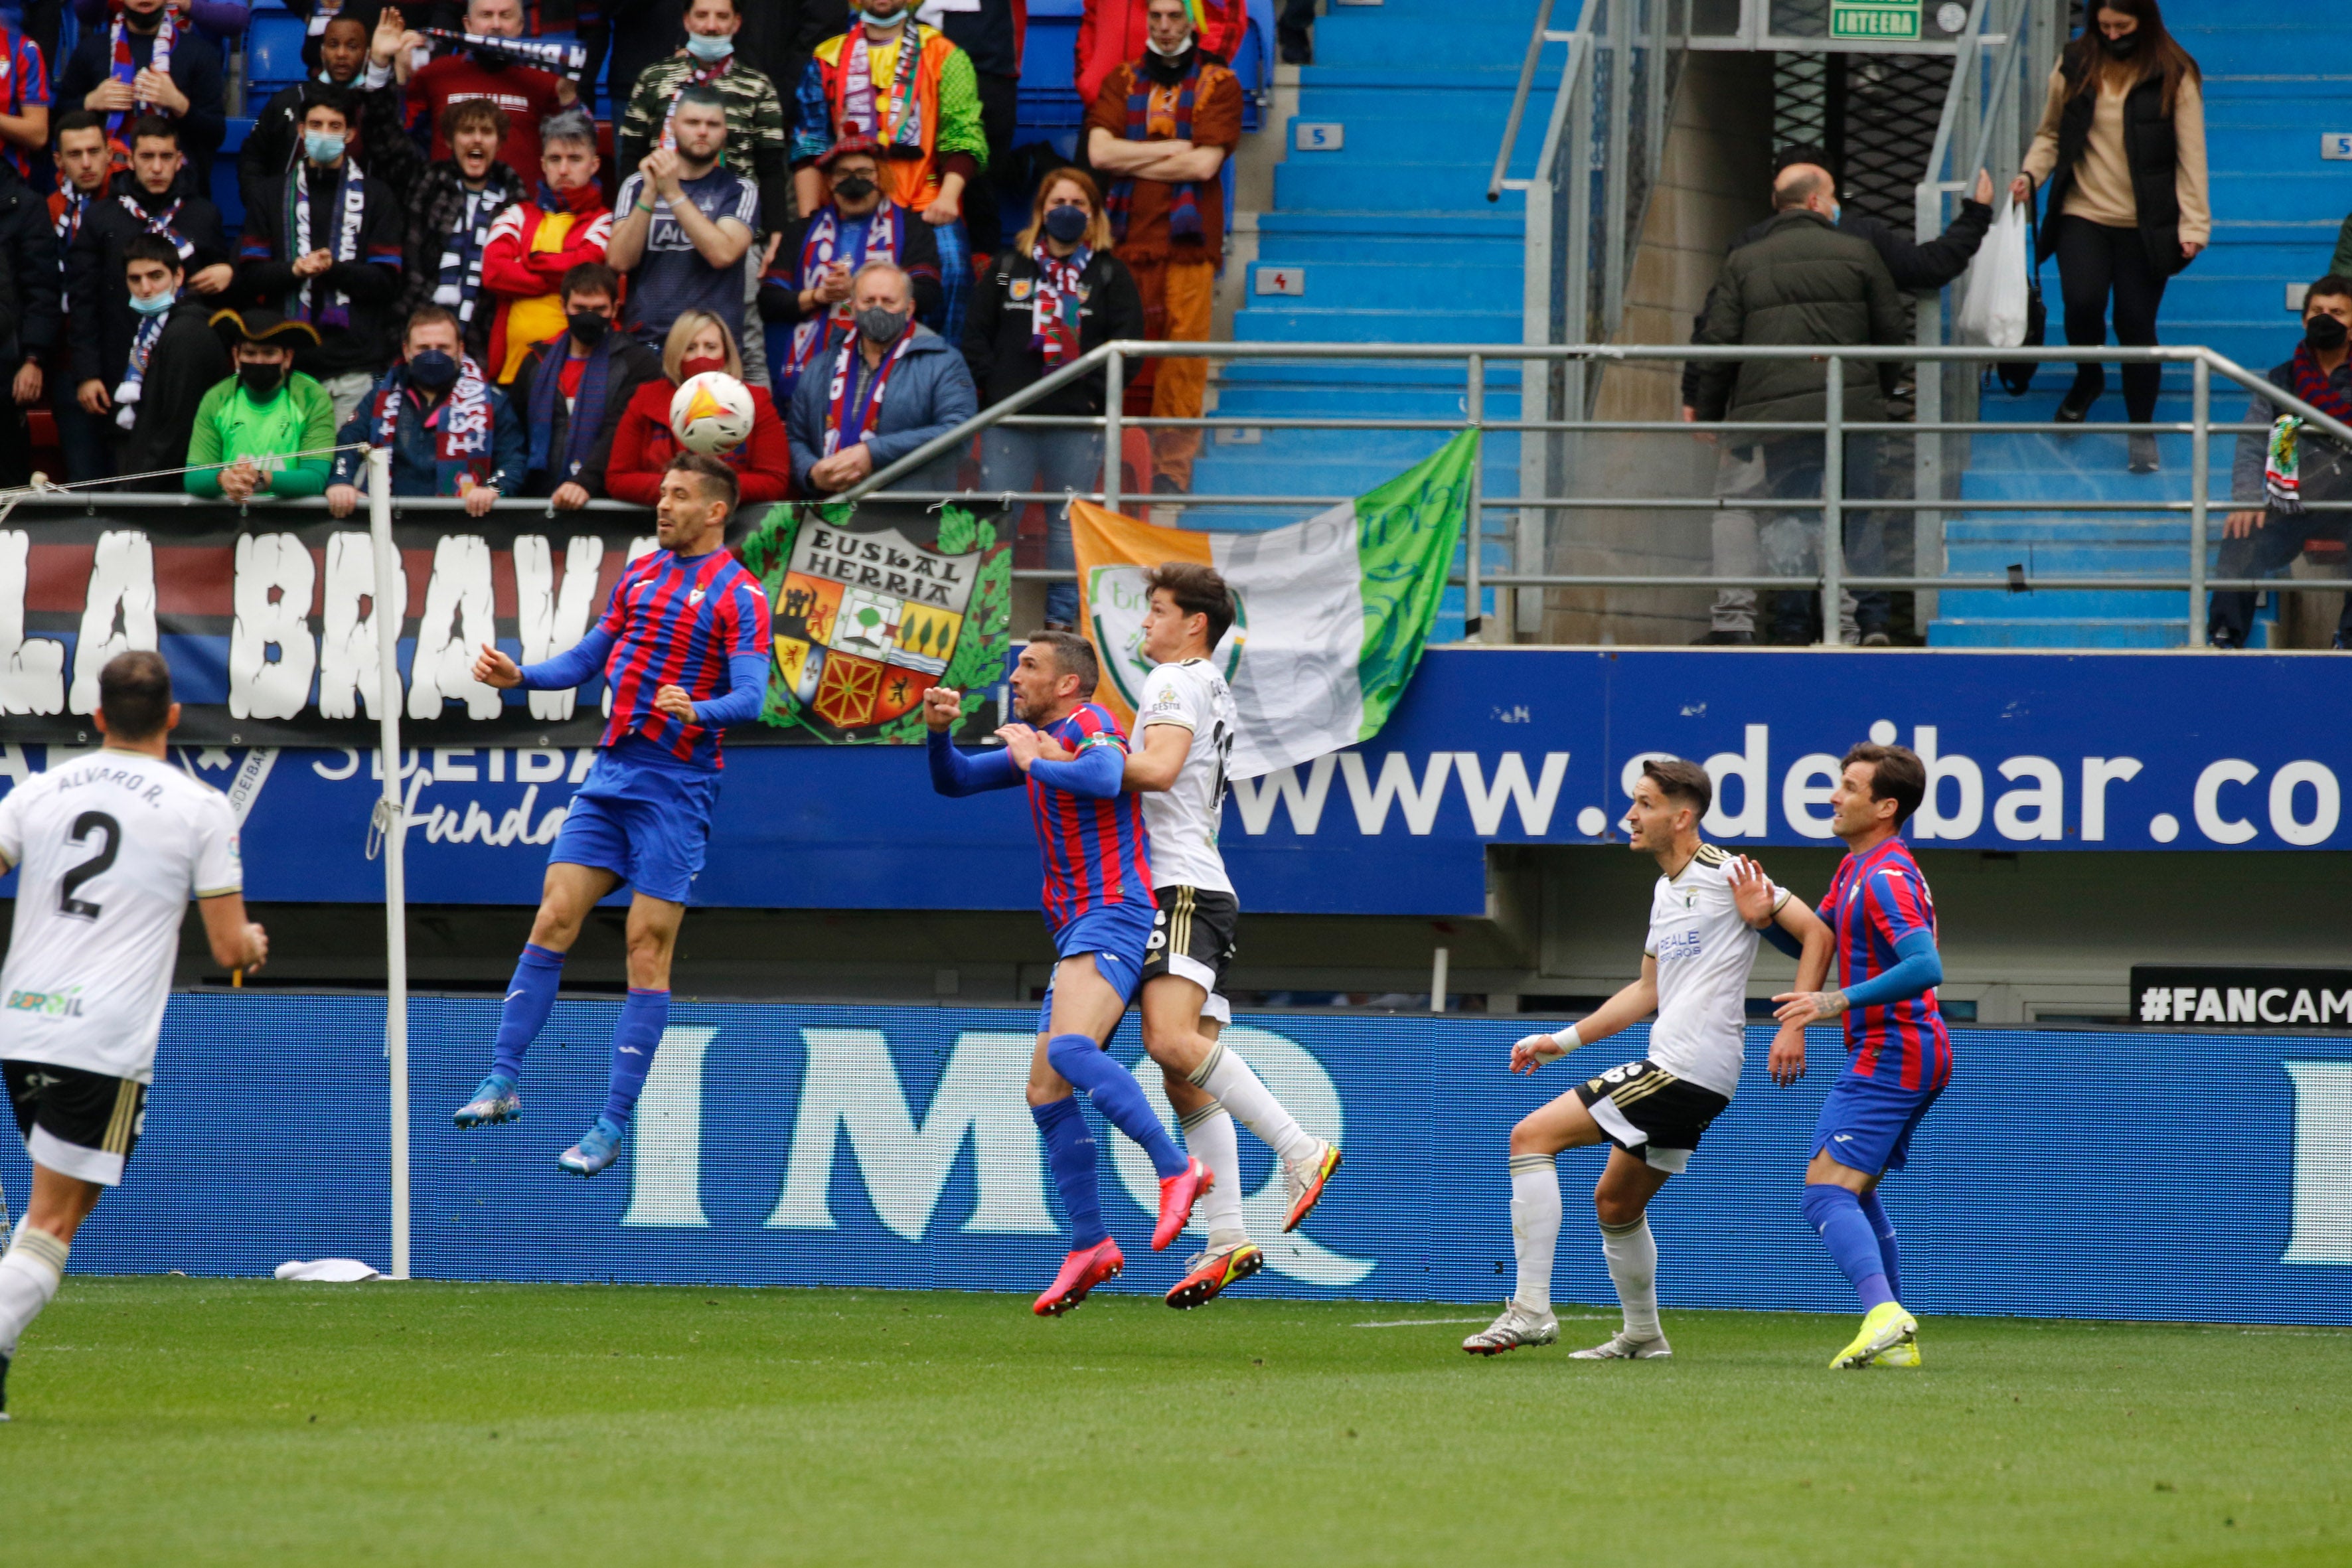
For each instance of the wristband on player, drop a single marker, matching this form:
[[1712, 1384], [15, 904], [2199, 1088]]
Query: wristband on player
[[1562, 1043]]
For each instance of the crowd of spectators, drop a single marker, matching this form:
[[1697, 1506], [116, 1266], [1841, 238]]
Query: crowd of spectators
[[435, 258]]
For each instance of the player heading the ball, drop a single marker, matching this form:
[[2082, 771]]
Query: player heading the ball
[[1704, 915], [683, 647], [1098, 902], [111, 844]]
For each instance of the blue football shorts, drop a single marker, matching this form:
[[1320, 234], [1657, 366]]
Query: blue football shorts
[[1866, 1123], [648, 824], [1119, 935]]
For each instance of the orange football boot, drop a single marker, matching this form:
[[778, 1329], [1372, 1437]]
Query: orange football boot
[[1213, 1271]]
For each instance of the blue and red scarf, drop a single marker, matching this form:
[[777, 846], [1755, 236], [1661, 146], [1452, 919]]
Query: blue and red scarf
[[1054, 306], [460, 426], [126, 71], [879, 237], [2319, 389], [1183, 197], [850, 410], [587, 405]]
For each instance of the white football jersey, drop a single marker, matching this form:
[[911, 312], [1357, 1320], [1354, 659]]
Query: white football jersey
[[109, 848], [1185, 818], [1705, 951]]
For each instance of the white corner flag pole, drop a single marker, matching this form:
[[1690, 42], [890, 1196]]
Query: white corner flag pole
[[390, 820]]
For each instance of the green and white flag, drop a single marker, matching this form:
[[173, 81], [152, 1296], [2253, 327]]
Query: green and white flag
[[1334, 611]]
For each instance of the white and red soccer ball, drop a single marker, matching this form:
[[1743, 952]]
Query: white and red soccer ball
[[711, 412]]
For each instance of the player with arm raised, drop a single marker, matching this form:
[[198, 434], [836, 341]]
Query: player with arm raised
[[1899, 1054], [1097, 900], [683, 646], [1694, 967], [111, 844]]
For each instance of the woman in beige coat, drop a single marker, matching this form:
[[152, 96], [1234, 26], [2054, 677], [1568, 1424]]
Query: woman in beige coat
[[2122, 151]]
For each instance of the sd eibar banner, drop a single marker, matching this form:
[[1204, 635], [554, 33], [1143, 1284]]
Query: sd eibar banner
[[866, 621], [1333, 612]]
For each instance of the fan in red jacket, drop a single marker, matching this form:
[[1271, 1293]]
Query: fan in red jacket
[[1111, 34], [644, 445], [533, 244]]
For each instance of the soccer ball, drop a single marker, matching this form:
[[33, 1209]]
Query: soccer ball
[[711, 413]]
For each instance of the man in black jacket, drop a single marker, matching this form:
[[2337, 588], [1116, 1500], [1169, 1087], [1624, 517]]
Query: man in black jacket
[[152, 199], [1918, 267], [29, 277], [384, 148], [804, 293], [322, 244], [450, 212], [188, 93], [175, 358], [1806, 284], [556, 375]]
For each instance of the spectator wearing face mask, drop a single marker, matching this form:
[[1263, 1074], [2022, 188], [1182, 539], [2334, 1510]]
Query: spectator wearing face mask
[[524, 94], [1055, 294], [841, 424], [380, 140], [174, 358], [451, 432], [535, 244], [450, 216], [756, 140], [685, 223], [247, 426], [322, 246], [644, 443], [573, 389], [222, 22], [804, 297], [148, 60], [2122, 147], [2285, 464]]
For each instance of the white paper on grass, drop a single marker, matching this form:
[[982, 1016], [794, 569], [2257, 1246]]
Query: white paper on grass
[[328, 1270], [1993, 310]]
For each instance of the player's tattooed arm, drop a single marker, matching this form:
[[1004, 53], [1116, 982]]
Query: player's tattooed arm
[[1629, 1006]]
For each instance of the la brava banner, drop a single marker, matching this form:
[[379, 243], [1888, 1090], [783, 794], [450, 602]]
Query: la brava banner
[[269, 618]]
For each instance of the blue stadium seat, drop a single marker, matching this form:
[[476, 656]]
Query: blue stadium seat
[[225, 193], [273, 52]]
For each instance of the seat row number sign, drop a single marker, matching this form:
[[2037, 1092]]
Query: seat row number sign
[[2336, 144], [1281, 279], [1319, 135]]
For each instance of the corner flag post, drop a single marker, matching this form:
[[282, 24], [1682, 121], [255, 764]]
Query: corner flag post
[[390, 813]]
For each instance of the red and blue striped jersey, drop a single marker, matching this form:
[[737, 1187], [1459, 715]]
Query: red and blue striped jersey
[[1096, 852], [24, 84], [677, 623], [1878, 898]]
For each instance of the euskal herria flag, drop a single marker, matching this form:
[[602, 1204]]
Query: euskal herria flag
[[1333, 612]]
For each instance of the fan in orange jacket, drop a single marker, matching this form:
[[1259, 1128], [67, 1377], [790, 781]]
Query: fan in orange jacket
[[1111, 34]]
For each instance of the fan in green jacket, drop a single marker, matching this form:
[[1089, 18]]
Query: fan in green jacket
[[253, 421]]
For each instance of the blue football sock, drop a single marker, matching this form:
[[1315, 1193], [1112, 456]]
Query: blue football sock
[[1836, 1213], [1117, 1096], [530, 997], [1889, 1256], [634, 1040], [1070, 1155]]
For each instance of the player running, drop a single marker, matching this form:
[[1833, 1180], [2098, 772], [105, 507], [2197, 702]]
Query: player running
[[111, 844], [683, 646], [1186, 722], [1899, 1053], [1704, 917], [1097, 900]]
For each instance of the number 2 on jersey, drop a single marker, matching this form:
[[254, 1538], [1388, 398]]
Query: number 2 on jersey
[[86, 825]]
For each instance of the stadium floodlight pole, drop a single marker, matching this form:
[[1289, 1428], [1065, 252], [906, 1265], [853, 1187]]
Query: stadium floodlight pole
[[391, 821]]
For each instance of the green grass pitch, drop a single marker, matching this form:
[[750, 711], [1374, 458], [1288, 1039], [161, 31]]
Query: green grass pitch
[[189, 1421]]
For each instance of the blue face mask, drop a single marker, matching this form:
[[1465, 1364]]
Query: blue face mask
[[892, 20], [322, 148], [1836, 212], [705, 46], [156, 304]]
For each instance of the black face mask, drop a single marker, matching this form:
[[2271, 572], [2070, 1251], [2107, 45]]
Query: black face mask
[[853, 187], [2120, 48], [2326, 334], [588, 327], [261, 379], [433, 369]]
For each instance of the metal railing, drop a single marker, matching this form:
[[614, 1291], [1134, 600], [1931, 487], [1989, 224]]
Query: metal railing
[[1560, 510]]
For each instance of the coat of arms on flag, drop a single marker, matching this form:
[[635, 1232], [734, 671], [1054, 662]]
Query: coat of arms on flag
[[866, 621]]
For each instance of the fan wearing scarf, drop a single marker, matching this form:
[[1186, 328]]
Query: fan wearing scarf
[[23, 99], [1051, 296], [644, 445], [758, 142], [248, 426], [450, 431], [535, 244], [909, 89], [895, 386], [450, 216], [494, 63], [1161, 129], [573, 389], [174, 360], [380, 139], [2285, 463], [322, 245], [148, 60], [84, 166], [804, 294]]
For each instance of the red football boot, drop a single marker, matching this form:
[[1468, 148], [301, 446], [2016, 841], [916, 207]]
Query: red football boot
[[1178, 1194], [1081, 1272]]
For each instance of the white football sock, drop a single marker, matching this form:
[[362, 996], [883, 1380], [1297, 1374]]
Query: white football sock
[[1229, 1077], [1632, 1254], [29, 1275], [1209, 1136], [1535, 1228]]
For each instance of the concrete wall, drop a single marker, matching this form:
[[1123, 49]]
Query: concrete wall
[[1715, 181]]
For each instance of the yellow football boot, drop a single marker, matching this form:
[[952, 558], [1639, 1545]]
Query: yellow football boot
[[1886, 1326]]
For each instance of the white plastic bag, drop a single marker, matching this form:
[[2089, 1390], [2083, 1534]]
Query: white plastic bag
[[1993, 310]]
